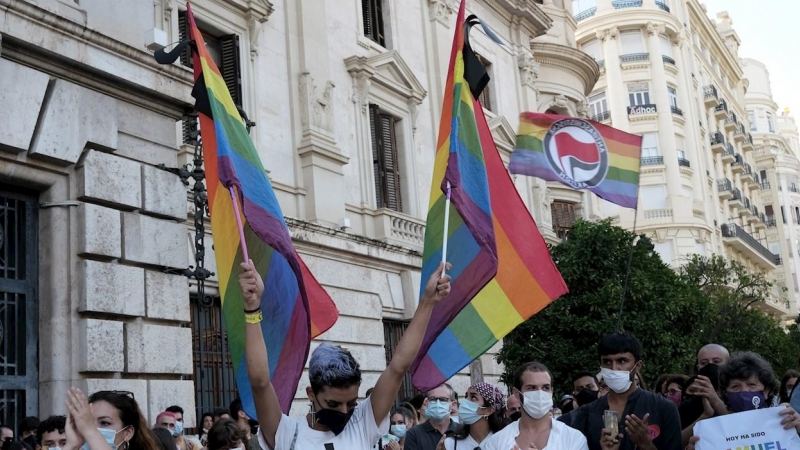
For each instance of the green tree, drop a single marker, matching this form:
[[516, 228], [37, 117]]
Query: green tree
[[659, 308]]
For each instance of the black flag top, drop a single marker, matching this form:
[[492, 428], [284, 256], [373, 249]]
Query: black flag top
[[474, 71]]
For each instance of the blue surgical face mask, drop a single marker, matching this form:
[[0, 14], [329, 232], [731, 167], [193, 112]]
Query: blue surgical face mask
[[437, 410], [468, 411], [746, 401], [178, 429], [109, 436], [398, 430]]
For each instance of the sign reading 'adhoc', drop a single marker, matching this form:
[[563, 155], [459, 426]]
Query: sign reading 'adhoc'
[[641, 109]]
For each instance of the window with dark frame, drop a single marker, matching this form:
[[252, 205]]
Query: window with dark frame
[[372, 13], [392, 332], [486, 95], [563, 214], [225, 52], [385, 161]]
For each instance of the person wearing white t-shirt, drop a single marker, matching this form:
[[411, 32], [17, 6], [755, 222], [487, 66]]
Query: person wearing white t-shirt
[[482, 411], [336, 421], [535, 429]]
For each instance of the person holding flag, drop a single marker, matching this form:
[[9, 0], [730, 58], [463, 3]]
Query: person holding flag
[[335, 421]]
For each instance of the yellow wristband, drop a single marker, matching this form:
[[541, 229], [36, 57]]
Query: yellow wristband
[[253, 318]]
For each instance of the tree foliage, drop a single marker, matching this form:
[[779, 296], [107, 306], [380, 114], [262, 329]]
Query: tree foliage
[[672, 314]]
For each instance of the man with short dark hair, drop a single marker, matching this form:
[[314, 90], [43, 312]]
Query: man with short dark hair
[[220, 413], [6, 436], [225, 435], [647, 421], [181, 440], [245, 423], [585, 388], [513, 407], [437, 404], [27, 432], [51, 433]]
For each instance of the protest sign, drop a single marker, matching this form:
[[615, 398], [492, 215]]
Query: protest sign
[[759, 429]]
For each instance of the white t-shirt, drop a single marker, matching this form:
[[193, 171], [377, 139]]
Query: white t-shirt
[[562, 437], [360, 433], [468, 443]]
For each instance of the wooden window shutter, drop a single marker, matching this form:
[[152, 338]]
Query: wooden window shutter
[[190, 123], [394, 199], [377, 156], [231, 66], [372, 13], [366, 14]]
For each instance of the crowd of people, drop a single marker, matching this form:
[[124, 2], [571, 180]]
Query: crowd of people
[[607, 410]]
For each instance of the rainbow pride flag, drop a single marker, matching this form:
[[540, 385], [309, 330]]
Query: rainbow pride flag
[[459, 160], [582, 154], [295, 306]]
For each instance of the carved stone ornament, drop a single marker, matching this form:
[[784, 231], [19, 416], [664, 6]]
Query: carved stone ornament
[[528, 69], [613, 32], [441, 10], [168, 6], [583, 109], [316, 110], [560, 101], [601, 35]]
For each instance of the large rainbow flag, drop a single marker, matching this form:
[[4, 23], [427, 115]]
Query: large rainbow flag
[[526, 278], [582, 154], [295, 306], [459, 160]]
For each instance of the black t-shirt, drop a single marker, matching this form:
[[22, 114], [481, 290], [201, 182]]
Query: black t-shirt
[[425, 437], [665, 424]]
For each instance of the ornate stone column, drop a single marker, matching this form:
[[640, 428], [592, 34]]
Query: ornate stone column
[[615, 90]]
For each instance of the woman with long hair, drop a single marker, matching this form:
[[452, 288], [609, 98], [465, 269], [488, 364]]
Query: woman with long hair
[[483, 413], [788, 383], [113, 420], [401, 420]]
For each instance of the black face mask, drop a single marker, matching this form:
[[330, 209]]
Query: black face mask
[[335, 420], [585, 396], [515, 416]]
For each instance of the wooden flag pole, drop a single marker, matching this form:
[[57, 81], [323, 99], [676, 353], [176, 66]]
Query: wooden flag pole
[[446, 226], [239, 224]]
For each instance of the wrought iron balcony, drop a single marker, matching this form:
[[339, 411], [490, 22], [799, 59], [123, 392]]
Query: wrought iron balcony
[[770, 221], [602, 117], [747, 203], [721, 110], [730, 122], [793, 188], [764, 185], [652, 160], [662, 6], [620, 4], [724, 185], [717, 138], [732, 230], [676, 110], [710, 96], [737, 194], [737, 166], [667, 59], [683, 162], [585, 14], [633, 57], [729, 155]]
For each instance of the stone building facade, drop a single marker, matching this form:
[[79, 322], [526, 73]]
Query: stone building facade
[[346, 101]]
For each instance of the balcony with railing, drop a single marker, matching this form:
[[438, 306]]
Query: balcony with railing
[[717, 142], [741, 240], [710, 96], [585, 14], [746, 208], [729, 155], [747, 173], [736, 200], [721, 110], [770, 221], [668, 60], [602, 117], [730, 122], [662, 6], [764, 185], [725, 189], [683, 162], [755, 215], [739, 135], [634, 57], [676, 110], [737, 166], [653, 160], [621, 4]]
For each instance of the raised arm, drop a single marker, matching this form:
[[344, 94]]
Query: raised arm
[[389, 382], [268, 409]]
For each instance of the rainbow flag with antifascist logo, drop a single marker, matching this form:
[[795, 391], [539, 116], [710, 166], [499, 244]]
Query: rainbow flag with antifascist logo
[[525, 280], [295, 306], [579, 153]]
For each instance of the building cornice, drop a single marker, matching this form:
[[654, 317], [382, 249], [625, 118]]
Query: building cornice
[[622, 19], [583, 65], [710, 29], [524, 12]]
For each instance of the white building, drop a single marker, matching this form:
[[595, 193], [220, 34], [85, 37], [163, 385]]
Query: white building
[[346, 97]]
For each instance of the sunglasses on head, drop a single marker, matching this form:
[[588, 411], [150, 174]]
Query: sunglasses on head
[[125, 393]]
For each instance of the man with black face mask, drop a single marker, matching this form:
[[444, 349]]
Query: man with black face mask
[[585, 388]]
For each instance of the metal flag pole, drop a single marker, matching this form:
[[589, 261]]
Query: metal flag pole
[[627, 272], [446, 227], [239, 224]]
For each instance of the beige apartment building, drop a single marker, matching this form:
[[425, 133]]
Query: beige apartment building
[[673, 75], [346, 100]]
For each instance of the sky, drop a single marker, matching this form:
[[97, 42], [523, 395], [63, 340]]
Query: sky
[[769, 33]]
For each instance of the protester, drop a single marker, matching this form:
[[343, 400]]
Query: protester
[[700, 397], [113, 420], [712, 354], [180, 427], [219, 413], [27, 432], [206, 422], [535, 429], [482, 412], [788, 382], [335, 376], [454, 409], [6, 436], [748, 382], [245, 423], [672, 388], [566, 404], [401, 420], [585, 388], [641, 413], [164, 439], [227, 435], [51, 433], [513, 408], [418, 402], [437, 410], [166, 420]]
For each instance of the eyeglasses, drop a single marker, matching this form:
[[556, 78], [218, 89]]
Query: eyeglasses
[[125, 393], [439, 399], [673, 391]]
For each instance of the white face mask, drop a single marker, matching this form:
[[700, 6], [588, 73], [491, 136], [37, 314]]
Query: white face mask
[[618, 381], [537, 403]]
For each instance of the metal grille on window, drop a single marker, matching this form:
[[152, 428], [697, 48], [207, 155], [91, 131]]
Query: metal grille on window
[[214, 380], [563, 215], [372, 13], [392, 332], [19, 322], [384, 160]]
